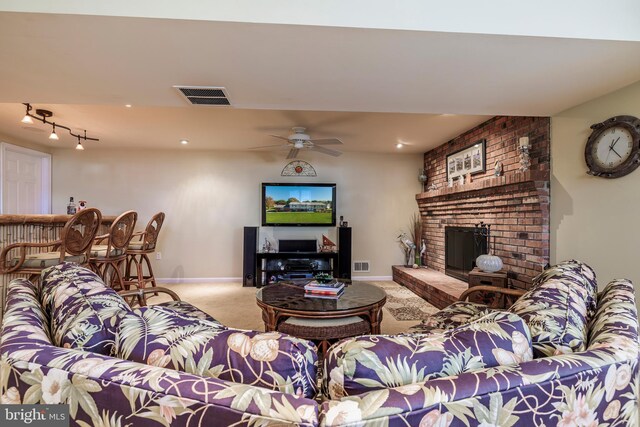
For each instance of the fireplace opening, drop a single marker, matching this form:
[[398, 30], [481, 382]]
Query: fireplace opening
[[462, 245]]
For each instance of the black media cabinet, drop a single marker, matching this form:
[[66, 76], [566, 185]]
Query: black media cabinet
[[275, 266]]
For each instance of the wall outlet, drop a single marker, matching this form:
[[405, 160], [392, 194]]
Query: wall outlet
[[158, 255]]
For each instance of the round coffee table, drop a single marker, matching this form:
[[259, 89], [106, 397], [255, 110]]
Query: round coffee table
[[282, 300]]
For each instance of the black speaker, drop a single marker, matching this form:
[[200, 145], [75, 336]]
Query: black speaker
[[308, 245], [344, 252], [249, 256]]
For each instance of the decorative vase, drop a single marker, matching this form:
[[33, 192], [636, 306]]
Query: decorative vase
[[489, 263]]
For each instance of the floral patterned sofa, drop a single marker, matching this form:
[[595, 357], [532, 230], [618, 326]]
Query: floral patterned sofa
[[574, 364], [67, 341], [562, 355]]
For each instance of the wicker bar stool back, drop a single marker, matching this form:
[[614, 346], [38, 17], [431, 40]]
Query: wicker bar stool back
[[107, 259], [143, 243], [74, 245]]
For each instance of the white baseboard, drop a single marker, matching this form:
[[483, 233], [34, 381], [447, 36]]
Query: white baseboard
[[169, 280], [371, 278]]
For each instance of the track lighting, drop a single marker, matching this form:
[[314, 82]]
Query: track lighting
[[42, 116]]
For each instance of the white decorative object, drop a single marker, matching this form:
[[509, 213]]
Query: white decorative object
[[497, 168], [450, 182], [489, 263]]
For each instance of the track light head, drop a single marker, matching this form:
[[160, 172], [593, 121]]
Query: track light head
[[54, 135], [79, 146]]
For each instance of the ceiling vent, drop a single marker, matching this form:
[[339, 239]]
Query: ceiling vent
[[205, 95]]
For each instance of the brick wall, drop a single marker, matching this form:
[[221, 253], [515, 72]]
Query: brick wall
[[515, 204]]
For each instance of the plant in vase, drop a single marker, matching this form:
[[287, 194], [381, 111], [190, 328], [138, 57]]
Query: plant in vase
[[415, 229]]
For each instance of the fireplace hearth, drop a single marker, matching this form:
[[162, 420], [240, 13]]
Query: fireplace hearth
[[462, 245]]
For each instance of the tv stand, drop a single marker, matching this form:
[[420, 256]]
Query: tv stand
[[258, 268], [275, 266]]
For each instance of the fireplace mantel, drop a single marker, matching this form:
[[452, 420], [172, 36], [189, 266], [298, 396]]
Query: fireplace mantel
[[500, 181]]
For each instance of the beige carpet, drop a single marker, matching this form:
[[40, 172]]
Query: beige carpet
[[235, 306]]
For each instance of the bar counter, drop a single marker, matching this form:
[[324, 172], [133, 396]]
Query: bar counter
[[36, 229]]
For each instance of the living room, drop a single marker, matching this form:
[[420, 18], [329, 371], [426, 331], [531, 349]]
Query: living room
[[390, 87]]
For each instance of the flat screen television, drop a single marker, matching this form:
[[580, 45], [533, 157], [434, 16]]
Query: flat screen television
[[298, 204]]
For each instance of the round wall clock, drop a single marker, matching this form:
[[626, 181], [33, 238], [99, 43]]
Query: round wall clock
[[613, 148], [298, 168]]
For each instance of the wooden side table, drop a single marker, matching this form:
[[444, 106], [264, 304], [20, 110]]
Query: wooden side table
[[498, 279]]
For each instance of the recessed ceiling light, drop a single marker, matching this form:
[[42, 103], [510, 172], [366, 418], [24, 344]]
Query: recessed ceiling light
[[399, 145], [128, 105], [184, 141]]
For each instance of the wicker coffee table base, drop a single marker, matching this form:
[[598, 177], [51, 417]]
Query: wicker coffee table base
[[325, 331]]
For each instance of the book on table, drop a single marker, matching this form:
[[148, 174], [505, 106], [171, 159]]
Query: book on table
[[331, 286], [324, 295]]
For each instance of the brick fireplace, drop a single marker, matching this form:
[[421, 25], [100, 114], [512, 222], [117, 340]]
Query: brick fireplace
[[516, 204]]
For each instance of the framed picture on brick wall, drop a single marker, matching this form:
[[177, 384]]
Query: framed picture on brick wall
[[471, 159]]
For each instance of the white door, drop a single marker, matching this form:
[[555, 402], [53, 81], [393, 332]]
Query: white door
[[26, 180]]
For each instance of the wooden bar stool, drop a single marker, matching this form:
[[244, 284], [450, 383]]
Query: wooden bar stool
[[141, 244], [74, 245], [107, 259]]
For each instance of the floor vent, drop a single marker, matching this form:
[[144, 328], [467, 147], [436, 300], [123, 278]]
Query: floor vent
[[204, 95], [361, 266]]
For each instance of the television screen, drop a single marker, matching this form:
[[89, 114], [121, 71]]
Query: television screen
[[298, 204]]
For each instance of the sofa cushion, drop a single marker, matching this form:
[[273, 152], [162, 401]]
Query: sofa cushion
[[156, 336], [558, 308], [366, 363], [457, 314], [47, 259], [576, 272], [83, 312]]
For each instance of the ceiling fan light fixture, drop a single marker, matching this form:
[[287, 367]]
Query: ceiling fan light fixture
[[298, 144]]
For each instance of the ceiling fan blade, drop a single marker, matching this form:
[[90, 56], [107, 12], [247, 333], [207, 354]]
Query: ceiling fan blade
[[280, 137], [327, 141], [293, 153], [323, 150], [269, 147]]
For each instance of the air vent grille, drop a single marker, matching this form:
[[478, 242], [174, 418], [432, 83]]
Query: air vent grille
[[204, 95], [361, 266], [208, 101]]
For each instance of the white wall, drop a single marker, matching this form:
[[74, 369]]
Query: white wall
[[209, 196], [594, 219]]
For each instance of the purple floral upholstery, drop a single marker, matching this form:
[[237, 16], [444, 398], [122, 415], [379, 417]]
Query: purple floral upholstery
[[84, 312], [361, 364], [156, 336], [458, 313], [185, 310], [557, 308], [577, 272], [596, 387], [105, 391]]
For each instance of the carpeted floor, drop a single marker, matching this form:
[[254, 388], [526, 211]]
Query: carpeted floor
[[235, 305]]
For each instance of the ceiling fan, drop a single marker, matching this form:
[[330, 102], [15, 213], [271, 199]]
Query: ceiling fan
[[299, 140]]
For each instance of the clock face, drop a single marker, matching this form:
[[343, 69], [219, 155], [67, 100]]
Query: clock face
[[612, 148], [298, 168]]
